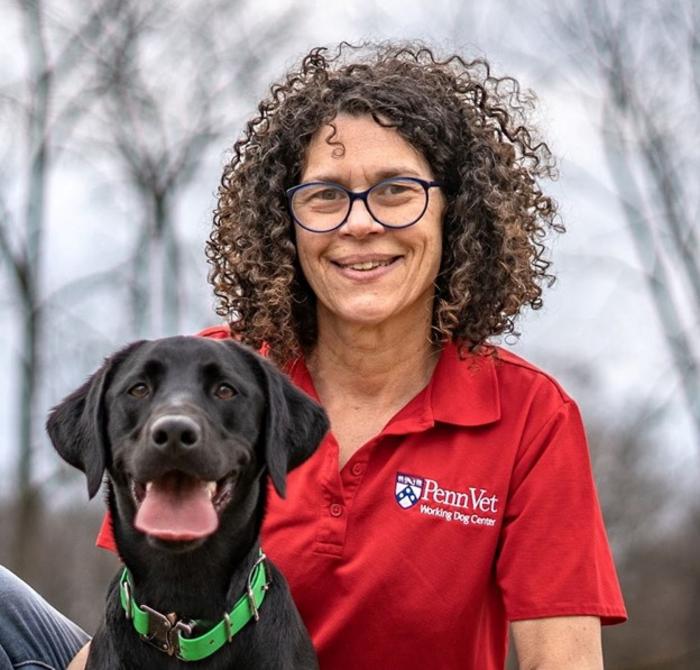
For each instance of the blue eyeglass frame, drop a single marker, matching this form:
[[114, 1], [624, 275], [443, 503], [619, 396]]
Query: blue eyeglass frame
[[361, 195]]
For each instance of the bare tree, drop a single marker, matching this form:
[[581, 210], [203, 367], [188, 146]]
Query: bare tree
[[44, 108], [641, 58], [644, 56], [176, 80], [162, 82]]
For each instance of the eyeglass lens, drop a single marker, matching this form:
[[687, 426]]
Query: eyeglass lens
[[393, 203]]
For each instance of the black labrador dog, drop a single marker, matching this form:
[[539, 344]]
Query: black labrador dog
[[187, 429]]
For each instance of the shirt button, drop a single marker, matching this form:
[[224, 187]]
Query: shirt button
[[357, 469], [336, 509]]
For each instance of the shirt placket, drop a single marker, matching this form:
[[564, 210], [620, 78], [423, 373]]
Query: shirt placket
[[338, 491], [332, 527]]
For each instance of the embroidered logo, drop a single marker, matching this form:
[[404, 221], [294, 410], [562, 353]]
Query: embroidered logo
[[408, 489], [474, 506]]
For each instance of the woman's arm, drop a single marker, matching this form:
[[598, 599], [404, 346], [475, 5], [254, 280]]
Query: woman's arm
[[572, 642], [78, 663]]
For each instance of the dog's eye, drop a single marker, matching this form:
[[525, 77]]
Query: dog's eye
[[224, 392], [139, 390]]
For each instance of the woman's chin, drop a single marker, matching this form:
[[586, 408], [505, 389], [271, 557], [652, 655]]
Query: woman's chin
[[353, 312], [366, 318], [372, 313]]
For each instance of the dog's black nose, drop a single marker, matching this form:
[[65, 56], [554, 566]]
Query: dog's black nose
[[175, 431]]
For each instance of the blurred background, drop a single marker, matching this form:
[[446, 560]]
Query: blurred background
[[116, 117]]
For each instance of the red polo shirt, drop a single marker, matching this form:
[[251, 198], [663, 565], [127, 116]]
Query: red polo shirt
[[474, 506]]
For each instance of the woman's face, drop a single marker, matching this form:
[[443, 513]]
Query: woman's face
[[362, 273]]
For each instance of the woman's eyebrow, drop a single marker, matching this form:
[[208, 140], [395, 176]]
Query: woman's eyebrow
[[378, 175], [398, 172]]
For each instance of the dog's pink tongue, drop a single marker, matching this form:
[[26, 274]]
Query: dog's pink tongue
[[177, 508]]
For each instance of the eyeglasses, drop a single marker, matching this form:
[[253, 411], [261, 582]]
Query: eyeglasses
[[322, 206]]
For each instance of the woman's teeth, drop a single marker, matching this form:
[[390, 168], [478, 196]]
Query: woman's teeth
[[369, 265]]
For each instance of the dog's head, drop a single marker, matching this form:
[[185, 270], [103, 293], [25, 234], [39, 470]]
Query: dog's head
[[181, 424]]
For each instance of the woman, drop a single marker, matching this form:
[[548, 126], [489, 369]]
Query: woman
[[380, 220], [454, 493]]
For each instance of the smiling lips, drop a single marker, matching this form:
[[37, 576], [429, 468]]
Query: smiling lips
[[364, 264]]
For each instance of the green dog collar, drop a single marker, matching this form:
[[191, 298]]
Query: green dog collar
[[168, 633]]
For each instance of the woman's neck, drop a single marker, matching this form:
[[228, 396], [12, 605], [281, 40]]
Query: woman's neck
[[364, 376], [380, 364]]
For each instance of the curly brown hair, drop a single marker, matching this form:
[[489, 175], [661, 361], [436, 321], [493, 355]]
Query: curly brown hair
[[473, 130]]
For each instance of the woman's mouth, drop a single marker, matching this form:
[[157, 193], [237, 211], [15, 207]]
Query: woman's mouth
[[369, 267]]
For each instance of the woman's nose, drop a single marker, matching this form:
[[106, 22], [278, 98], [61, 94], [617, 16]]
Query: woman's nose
[[360, 222]]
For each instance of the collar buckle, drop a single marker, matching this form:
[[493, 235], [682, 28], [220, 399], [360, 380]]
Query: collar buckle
[[164, 631]]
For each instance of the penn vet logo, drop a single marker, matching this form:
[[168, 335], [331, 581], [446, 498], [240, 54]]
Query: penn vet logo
[[408, 489], [473, 506]]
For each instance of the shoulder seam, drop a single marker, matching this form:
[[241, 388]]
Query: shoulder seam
[[525, 365], [524, 447]]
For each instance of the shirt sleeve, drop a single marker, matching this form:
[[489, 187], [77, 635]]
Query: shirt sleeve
[[553, 557]]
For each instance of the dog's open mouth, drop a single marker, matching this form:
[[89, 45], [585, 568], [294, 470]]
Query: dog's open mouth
[[180, 508]]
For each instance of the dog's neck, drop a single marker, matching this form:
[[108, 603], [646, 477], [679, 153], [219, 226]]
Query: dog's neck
[[198, 584], [200, 595]]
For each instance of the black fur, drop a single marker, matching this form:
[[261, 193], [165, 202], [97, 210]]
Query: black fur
[[268, 424]]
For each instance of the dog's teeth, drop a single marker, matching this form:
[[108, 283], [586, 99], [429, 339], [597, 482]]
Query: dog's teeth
[[148, 486], [211, 489]]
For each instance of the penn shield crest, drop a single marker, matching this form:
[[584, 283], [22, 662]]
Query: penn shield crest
[[408, 489]]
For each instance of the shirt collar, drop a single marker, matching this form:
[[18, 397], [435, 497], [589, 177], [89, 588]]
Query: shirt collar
[[464, 389]]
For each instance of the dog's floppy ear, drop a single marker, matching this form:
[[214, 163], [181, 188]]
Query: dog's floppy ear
[[294, 423], [77, 428], [294, 427]]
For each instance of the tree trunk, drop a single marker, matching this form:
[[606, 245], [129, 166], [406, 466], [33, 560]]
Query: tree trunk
[[39, 159]]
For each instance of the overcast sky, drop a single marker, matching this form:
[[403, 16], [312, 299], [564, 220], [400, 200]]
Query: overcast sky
[[598, 332]]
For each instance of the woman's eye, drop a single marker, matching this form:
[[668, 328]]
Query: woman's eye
[[327, 194], [224, 392], [139, 390], [397, 188]]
